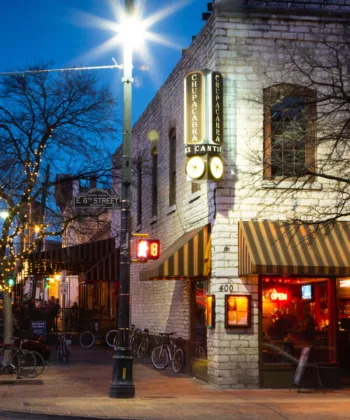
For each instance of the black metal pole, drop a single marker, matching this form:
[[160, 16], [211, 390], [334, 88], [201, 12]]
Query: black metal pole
[[122, 385]]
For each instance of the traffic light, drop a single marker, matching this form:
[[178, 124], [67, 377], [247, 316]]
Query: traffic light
[[11, 282], [148, 249], [47, 282]]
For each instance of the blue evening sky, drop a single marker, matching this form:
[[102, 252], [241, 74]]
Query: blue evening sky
[[33, 31]]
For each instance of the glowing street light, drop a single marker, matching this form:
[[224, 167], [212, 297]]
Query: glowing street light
[[131, 32], [122, 385]]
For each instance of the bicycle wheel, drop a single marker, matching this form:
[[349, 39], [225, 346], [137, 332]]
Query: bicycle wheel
[[39, 365], [159, 358], [112, 338], [87, 339], [63, 352], [23, 363], [142, 349], [179, 360]]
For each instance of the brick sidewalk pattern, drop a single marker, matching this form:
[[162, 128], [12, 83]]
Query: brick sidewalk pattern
[[81, 389]]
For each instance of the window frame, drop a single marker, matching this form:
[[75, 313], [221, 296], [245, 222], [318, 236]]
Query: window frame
[[283, 90], [139, 192], [172, 167], [154, 175]]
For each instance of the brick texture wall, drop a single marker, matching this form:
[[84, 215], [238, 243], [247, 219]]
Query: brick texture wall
[[242, 47]]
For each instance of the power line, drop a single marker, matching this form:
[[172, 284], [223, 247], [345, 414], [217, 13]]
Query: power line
[[24, 72]]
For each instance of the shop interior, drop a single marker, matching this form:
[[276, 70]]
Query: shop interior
[[299, 312]]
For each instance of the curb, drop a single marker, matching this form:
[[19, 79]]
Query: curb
[[13, 414]]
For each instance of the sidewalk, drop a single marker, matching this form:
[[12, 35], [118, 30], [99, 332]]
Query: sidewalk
[[81, 389]]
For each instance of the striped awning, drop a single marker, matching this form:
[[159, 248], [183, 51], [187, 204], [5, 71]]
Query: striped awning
[[188, 257], [76, 259], [281, 248], [107, 269]]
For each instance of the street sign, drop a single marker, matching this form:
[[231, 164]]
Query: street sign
[[97, 198], [64, 282]]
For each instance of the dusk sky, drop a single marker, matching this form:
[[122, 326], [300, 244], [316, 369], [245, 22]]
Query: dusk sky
[[60, 30]]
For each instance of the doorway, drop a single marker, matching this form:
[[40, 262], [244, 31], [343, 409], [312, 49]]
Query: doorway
[[198, 347]]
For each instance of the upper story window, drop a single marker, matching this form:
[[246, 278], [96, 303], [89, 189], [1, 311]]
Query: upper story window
[[172, 167], [154, 181], [139, 192], [289, 134]]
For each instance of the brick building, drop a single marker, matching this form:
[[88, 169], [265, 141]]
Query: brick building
[[227, 238]]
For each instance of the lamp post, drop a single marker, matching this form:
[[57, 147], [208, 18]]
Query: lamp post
[[122, 385]]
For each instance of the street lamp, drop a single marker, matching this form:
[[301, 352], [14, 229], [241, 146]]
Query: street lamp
[[122, 385]]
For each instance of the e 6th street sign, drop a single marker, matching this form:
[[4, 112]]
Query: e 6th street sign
[[97, 198]]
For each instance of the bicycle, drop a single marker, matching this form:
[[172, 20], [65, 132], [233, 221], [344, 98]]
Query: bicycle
[[87, 338], [64, 347], [19, 361], [163, 354], [143, 346], [134, 338]]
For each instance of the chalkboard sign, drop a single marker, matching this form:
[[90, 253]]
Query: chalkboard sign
[[38, 327], [304, 356]]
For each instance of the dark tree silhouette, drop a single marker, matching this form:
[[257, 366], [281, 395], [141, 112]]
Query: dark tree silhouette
[[50, 123]]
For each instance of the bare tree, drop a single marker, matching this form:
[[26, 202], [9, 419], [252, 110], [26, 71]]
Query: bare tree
[[306, 128], [49, 123]]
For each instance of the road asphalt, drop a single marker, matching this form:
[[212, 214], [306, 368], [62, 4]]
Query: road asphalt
[[80, 389]]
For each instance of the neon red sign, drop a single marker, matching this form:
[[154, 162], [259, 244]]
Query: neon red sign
[[274, 295]]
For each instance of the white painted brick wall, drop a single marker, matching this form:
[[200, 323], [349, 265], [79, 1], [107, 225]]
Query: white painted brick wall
[[240, 49]]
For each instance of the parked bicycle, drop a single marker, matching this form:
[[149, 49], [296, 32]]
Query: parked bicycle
[[87, 338], [135, 338], [169, 352], [16, 360], [144, 344], [64, 347]]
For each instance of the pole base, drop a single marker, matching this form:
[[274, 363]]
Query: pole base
[[121, 390], [122, 385]]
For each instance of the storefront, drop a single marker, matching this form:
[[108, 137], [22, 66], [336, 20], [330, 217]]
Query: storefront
[[303, 301], [188, 260], [92, 267]]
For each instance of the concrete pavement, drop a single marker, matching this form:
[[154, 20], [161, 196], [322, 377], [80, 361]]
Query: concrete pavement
[[81, 389]]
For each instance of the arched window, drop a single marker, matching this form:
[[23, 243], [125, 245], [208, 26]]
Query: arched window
[[289, 132], [172, 167], [154, 181]]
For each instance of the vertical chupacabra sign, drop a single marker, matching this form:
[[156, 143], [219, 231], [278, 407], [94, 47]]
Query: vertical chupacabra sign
[[204, 125]]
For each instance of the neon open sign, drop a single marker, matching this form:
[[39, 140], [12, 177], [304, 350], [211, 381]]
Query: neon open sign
[[274, 295]]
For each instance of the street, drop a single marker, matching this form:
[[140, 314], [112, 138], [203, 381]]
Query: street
[[80, 389]]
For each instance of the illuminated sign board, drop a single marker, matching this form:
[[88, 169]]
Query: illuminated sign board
[[274, 295], [217, 107], [194, 107], [344, 283], [204, 111], [204, 130]]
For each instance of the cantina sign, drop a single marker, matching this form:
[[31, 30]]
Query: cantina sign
[[203, 109], [217, 107], [194, 107]]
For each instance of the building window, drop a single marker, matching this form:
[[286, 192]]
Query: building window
[[172, 167], [139, 192], [298, 312], [154, 181], [289, 135]]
